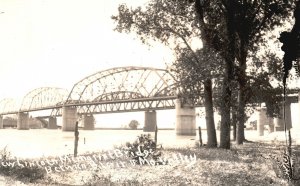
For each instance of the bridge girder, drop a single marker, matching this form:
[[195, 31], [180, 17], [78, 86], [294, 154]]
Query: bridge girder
[[133, 81], [43, 98], [104, 107]]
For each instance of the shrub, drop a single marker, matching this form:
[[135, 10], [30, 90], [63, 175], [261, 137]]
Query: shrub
[[143, 148]]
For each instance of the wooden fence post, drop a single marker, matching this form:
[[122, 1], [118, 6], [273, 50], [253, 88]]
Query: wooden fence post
[[155, 136], [76, 139], [200, 136]]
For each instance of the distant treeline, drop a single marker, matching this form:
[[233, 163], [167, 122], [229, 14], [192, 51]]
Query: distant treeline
[[105, 128], [9, 122]]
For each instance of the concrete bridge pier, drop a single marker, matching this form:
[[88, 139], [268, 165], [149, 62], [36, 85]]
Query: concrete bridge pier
[[22, 122], [52, 124], [288, 115], [279, 124], [69, 118], [150, 121], [88, 122], [185, 119], [279, 121], [1, 122], [271, 124], [262, 119]]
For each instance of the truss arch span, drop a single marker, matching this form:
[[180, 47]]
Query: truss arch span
[[137, 82], [9, 105], [43, 98]]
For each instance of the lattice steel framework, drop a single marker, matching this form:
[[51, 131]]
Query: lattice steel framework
[[44, 98], [9, 106], [124, 89]]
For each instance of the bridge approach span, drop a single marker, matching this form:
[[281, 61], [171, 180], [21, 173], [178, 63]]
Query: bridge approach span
[[43, 98]]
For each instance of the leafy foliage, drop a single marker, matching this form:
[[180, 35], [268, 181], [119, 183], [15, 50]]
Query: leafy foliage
[[262, 91], [143, 148], [192, 72], [254, 19], [163, 20]]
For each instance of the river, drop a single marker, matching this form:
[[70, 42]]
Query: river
[[43, 142]]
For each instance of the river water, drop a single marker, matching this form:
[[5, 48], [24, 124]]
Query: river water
[[42, 142]]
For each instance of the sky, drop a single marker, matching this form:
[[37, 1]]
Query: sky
[[56, 43]]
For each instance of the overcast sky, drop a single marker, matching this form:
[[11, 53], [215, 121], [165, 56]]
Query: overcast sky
[[58, 42]]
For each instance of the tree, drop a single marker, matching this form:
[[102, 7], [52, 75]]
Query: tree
[[196, 76], [246, 21], [264, 80], [216, 22], [253, 20], [174, 24], [232, 28], [133, 124]]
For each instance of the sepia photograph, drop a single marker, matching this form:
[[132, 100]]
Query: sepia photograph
[[149, 92]]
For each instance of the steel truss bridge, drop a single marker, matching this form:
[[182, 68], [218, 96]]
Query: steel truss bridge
[[122, 89]]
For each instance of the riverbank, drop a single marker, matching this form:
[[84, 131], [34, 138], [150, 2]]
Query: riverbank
[[242, 165]]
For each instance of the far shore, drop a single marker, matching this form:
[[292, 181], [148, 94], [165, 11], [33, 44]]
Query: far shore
[[105, 128]]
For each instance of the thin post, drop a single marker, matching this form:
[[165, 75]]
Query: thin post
[[76, 139], [200, 136], [155, 136]]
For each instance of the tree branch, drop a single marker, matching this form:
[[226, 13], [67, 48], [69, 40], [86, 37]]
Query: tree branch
[[185, 42]]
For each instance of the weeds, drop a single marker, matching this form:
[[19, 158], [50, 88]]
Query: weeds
[[9, 167], [286, 165], [242, 165], [96, 179]]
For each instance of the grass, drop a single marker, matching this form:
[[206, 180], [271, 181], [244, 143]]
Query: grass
[[16, 169], [242, 165]]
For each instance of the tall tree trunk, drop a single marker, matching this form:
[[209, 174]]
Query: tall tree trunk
[[241, 116], [240, 136], [225, 115], [209, 114], [229, 57], [208, 102], [234, 121], [228, 77]]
